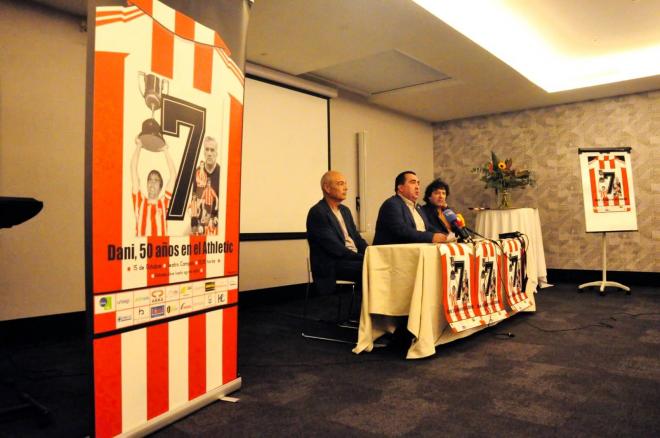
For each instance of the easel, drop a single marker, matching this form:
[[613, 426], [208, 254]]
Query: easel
[[604, 283]]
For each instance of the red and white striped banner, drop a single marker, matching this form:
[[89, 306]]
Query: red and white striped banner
[[167, 107], [514, 273], [456, 264], [142, 374], [487, 283]]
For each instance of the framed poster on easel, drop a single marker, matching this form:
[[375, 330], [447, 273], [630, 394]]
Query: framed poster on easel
[[607, 189], [609, 197]]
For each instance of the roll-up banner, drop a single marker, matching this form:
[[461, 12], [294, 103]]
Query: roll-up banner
[[163, 160]]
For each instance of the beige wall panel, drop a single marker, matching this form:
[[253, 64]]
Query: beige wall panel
[[272, 263], [42, 127]]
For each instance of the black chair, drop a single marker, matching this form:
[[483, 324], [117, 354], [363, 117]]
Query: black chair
[[346, 323]]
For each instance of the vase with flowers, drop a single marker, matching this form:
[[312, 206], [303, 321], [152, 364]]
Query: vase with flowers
[[501, 176]]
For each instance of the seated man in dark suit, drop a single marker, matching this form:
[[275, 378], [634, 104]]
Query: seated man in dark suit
[[336, 247], [401, 220]]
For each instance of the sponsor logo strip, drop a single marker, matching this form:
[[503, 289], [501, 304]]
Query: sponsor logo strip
[[125, 309]]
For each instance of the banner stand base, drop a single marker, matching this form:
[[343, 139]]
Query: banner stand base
[[176, 414], [602, 284]]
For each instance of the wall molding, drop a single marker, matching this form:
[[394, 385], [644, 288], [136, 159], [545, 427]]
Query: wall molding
[[42, 328], [579, 276]]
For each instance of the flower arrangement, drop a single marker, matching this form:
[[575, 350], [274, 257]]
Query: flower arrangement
[[501, 176]]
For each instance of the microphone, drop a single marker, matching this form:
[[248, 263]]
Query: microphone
[[461, 220], [456, 226]]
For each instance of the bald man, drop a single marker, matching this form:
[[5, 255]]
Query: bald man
[[336, 247]]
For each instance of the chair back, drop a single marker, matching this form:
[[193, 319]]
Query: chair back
[[310, 279]]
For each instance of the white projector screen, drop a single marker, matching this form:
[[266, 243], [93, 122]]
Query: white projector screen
[[285, 152]]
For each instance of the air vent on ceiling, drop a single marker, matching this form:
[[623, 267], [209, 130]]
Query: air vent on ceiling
[[381, 72]]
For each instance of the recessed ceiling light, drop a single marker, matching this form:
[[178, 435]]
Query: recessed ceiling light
[[501, 27]]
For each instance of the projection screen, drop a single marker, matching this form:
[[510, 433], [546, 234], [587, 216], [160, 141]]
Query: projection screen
[[285, 152]]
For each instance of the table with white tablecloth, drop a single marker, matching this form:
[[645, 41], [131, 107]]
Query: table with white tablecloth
[[491, 223], [405, 280]]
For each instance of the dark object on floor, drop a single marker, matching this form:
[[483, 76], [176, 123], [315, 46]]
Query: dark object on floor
[[42, 413], [15, 211]]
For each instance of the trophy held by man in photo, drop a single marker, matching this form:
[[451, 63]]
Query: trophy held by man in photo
[[151, 88]]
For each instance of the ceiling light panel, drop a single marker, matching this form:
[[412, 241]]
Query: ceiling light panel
[[512, 31]]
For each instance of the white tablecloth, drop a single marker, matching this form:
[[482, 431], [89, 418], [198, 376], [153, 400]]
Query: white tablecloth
[[490, 223], [405, 280]]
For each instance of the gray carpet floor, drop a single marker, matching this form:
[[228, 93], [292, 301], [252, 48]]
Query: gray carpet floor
[[582, 365]]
